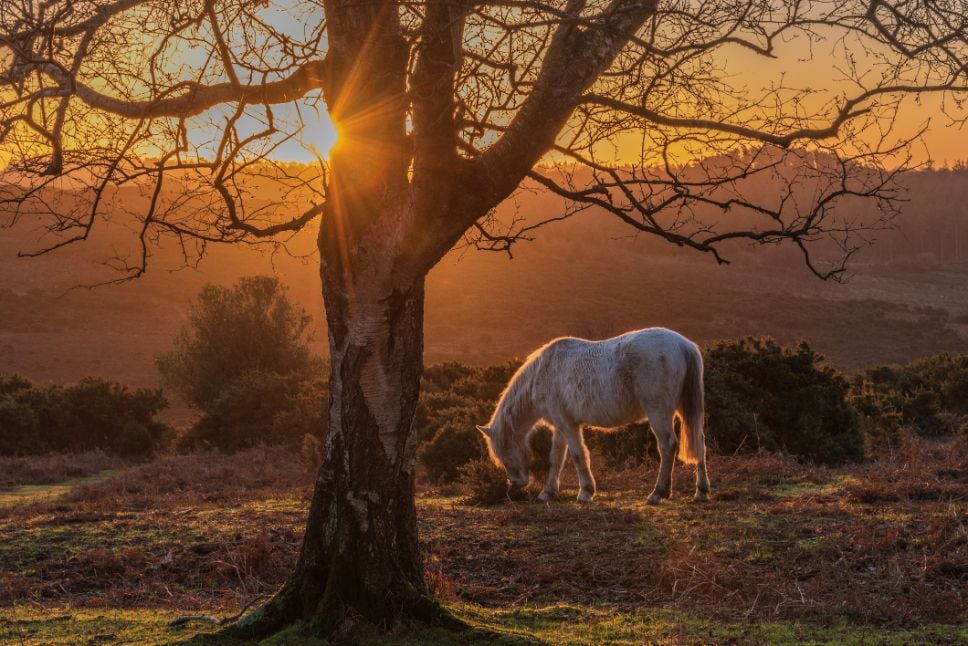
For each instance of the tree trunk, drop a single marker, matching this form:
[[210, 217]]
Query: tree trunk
[[360, 561], [360, 558]]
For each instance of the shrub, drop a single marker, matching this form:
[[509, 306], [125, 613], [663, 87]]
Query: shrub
[[454, 398], [454, 445], [260, 408], [758, 396], [249, 328], [488, 383], [18, 427], [134, 441], [485, 482], [304, 411], [437, 409], [442, 376], [881, 424], [93, 413], [103, 410], [623, 445], [929, 396], [763, 396]]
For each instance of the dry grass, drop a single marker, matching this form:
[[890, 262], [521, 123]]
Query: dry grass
[[45, 469], [881, 545], [202, 530], [201, 478], [780, 541]]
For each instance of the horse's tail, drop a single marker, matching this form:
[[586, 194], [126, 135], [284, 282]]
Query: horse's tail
[[692, 442]]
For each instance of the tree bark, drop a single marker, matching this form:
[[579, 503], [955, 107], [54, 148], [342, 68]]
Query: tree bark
[[360, 558]]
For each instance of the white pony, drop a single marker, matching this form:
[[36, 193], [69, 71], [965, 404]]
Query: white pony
[[652, 374]]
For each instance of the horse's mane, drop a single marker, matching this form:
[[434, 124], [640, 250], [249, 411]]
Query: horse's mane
[[515, 400]]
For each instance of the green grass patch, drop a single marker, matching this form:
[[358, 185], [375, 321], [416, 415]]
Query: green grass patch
[[803, 488], [56, 627], [32, 493], [554, 624], [37, 542]]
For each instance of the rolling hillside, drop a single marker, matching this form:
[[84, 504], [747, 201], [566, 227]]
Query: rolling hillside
[[907, 296]]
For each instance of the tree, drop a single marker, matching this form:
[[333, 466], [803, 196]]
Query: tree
[[444, 108], [251, 328]]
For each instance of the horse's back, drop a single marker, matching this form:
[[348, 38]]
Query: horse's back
[[609, 382], [649, 344], [653, 340]]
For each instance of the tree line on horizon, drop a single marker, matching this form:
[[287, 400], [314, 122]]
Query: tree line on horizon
[[924, 224], [243, 362]]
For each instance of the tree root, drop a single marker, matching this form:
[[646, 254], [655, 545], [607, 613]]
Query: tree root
[[338, 621], [178, 622]]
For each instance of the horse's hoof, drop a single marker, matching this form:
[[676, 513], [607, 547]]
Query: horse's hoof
[[701, 496], [585, 497], [546, 496], [654, 499]]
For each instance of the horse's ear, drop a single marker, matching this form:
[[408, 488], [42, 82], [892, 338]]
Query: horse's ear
[[485, 430]]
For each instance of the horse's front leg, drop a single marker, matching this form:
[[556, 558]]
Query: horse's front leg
[[557, 459], [579, 455]]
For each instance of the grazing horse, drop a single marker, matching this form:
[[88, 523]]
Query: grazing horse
[[653, 374]]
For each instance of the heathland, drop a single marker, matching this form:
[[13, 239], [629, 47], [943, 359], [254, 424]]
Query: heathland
[[102, 548]]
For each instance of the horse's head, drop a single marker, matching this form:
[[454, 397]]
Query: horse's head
[[509, 451]]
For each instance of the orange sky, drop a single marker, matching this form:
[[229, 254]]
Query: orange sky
[[944, 142], [794, 66]]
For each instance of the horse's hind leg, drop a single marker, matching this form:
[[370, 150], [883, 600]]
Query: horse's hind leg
[[702, 480], [558, 447], [665, 436]]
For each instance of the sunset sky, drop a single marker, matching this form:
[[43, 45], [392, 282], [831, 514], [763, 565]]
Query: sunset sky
[[820, 68]]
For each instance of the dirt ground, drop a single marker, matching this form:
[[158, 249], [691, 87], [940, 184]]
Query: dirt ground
[[872, 553]]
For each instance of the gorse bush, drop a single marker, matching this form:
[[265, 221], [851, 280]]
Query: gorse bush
[[437, 409], [454, 398], [134, 441], [19, 427], [261, 408], [91, 414], [540, 441], [929, 397], [455, 444], [446, 426], [626, 444], [760, 395], [484, 481]]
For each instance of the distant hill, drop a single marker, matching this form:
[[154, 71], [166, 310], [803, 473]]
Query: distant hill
[[589, 276]]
